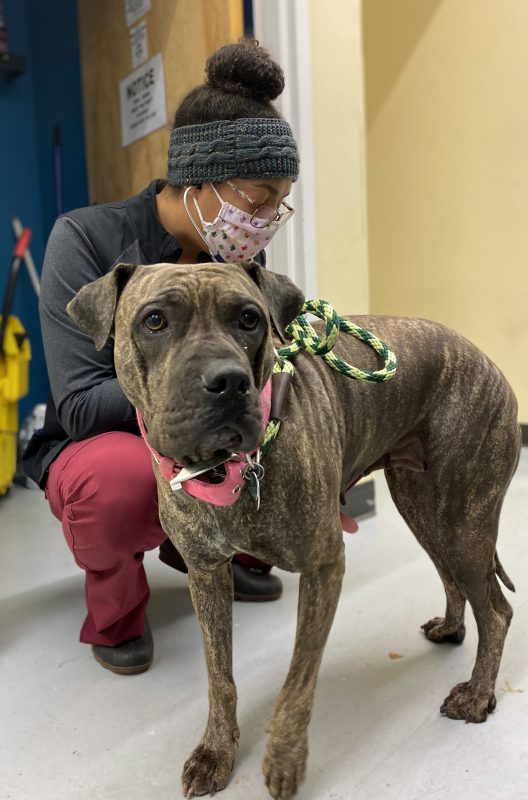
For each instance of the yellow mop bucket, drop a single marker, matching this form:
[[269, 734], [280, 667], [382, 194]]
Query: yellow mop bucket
[[15, 355]]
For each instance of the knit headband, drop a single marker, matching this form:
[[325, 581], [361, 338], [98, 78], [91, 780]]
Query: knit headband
[[256, 147]]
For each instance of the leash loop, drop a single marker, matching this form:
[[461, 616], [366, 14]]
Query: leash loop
[[304, 337]]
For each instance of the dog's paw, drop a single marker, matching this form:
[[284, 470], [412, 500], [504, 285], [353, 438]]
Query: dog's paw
[[207, 770], [436, 631], [284, 766], [465, 702]]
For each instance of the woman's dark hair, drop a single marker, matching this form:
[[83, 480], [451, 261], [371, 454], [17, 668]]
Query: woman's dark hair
[[242, 80]]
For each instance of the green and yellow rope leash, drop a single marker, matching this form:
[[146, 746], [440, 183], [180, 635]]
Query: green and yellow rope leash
[[304, 337]]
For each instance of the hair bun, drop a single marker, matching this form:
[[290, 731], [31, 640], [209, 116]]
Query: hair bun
[[247, 69]]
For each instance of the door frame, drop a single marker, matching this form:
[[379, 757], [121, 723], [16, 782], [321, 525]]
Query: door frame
[[283, 28]]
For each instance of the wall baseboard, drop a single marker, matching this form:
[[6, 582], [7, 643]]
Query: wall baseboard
[[361, 501]]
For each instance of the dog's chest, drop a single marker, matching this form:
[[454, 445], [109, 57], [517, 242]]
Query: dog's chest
[[294, 523]]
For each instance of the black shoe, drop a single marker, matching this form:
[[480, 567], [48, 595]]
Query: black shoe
[[170, 556], [253, 586], [128, 658]]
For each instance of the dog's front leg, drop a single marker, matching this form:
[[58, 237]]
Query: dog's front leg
[[209, 766], [287, 749]]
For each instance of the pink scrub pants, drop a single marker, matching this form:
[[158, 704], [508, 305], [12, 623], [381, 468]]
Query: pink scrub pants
[[104, 492]]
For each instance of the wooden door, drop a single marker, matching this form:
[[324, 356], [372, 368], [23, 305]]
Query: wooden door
[[185, 32]]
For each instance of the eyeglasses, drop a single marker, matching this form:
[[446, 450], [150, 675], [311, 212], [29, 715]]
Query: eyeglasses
[[264, 215]]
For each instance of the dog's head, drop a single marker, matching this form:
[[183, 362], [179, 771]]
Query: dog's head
[[192, 348]]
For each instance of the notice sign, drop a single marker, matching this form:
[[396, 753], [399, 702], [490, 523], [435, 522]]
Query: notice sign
[[139, 44], [134, 9], [142, 97]]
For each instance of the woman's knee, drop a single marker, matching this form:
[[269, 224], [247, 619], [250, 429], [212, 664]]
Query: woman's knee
[[109, 493], [121, 474], [110, 467]]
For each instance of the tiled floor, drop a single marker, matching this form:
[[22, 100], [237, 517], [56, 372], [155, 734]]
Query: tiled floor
[[70, 730]]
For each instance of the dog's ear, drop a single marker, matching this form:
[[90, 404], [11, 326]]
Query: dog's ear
[[285, 299], [93, 307]]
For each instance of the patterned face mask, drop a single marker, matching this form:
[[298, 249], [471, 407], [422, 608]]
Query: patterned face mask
[[234, 235]]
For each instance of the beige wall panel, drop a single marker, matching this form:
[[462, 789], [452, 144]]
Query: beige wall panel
[[186, 32], [339, 154], [448, 169]]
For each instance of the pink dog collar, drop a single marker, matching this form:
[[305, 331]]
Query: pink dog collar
[[228, 491], [219, 494]]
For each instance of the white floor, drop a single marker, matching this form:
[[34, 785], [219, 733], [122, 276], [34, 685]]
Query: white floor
[[70, 730]]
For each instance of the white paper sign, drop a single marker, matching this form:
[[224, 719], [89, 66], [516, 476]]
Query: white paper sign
[[142, 98], [134, 9], [139, 44]]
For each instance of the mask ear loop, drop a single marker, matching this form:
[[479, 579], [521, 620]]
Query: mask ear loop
[[216, 256]]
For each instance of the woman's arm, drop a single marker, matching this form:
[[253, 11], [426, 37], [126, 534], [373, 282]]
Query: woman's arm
[[83, 382]]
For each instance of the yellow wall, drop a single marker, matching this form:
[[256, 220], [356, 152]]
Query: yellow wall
[[339, 153], [447, 136]]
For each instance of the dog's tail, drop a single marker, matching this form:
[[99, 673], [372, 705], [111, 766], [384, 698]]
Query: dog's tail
[[499, 569]]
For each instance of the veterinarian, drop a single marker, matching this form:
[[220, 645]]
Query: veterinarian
[[232, 160]]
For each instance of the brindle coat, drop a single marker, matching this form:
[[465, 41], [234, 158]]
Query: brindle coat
[[446, 392]]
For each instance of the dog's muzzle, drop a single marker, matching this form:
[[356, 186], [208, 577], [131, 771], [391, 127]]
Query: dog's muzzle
[[222, 413]]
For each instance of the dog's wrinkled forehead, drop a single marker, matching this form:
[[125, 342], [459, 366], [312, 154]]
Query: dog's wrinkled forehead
[[127, 286], [198, 285]]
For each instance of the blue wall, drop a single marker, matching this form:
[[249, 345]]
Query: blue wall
[[248, 18], [48, 94]]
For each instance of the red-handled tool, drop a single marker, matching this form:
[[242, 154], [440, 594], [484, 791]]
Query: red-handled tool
[[22, 244]]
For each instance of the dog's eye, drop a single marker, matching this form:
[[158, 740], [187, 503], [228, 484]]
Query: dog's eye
[[249, 320], [155, 322]]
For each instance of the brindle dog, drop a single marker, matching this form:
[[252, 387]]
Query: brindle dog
[[193, 349]]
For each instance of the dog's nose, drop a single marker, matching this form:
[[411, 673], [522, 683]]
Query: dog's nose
[[230, 381]]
